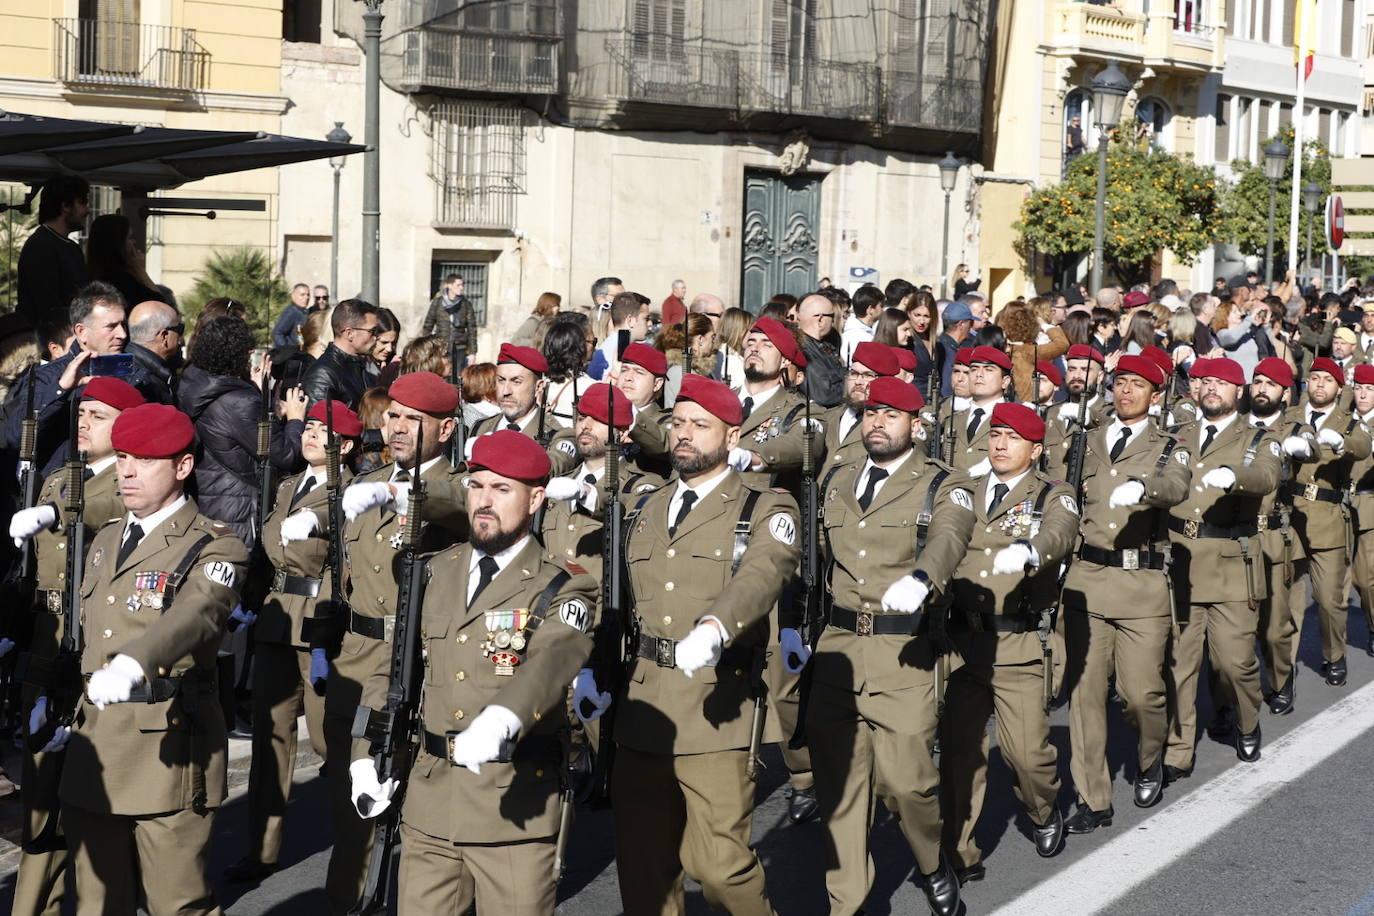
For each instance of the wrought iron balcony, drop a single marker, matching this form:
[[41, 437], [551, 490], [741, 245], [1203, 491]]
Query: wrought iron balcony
[[940, 103], [435, 57], [820, 88], [674, 73], [100, 52]]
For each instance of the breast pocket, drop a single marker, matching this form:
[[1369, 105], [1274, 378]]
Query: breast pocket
[[435, 634]]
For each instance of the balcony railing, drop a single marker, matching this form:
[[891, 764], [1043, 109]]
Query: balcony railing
[[101, 52], [941, 103], [674, 74], [442, 58], [821, 88]]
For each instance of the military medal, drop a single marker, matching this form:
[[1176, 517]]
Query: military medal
[[505, 663], [502, 639], [134, 602], [517, 641], [395, 541], [97, 555]]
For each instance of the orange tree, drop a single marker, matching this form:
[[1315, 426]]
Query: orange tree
[[1155, 200]]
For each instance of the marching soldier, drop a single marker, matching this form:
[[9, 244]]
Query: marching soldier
[[1217, 559], [1362, 496], [1051, 380], [520, 391], [145, 769], [643, 372], [872, 716], [843, 441], [289, 668], [1325, 452], [707, 558], [1117, 597], [481, 813], [989, 378], [39, 887], [1083, 371], [1005, 591]]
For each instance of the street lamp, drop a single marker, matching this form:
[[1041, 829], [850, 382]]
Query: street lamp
[[1275, 162], [949, 174], [1109, 89], [1311, 200], [372, 166], [337, 135]]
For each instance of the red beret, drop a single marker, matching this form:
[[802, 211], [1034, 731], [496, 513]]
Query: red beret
[[893, 392], [782, 339], [963, 356], [425, 391], [346, 422], [1327, 364], [152, 431], [991, 355], [1279, 372], [1228, 370], [1199, 368], [717, 398], [1364, 373], [1142, 366], [1163, 360], [593, 404], [1135, 300], [1050, 371], [1019, 418], [528, 357], [115, 392], [646, 357], [1085, 351], [906, 359], [511, 454], [877, 357]]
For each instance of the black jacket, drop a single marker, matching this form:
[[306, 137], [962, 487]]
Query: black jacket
[[824, 372], [336, 375], [225, 411], [156, 368]]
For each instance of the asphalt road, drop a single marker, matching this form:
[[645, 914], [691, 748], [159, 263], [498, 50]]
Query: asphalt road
[[1296, 840]]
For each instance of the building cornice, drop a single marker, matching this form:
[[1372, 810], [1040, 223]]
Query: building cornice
[[50, 90]]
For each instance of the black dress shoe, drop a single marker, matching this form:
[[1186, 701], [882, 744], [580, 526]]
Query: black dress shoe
[[1281, 700], [1369, 646], [802, 806], [1248, 745], [249, 869], [1219, 729], [1334, 672], [1149, 785], [975, 872], [1049, 839], [1173, 774], [942, 890], [1086, 820]]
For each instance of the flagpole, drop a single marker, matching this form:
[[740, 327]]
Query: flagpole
[[1299, 119]]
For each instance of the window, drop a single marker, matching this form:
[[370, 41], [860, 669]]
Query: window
[[657, 29], [1244, 138], [477, 162], [300, 21], [1221, 149], [1152, 122], [474, 274], [1188, 16]]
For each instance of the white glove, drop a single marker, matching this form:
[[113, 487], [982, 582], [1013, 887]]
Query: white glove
[[1129, 493], [1219, 478], [1298, 447], [115, 682], [563, 488], [362, 775], [795, 652], [1333, 439], [699, 649], [402, 500], [980, 469], [741, 459], [5, 646], [1012, 560], [483, 740], [906, 595], [586, 695], [298, 527], [359, 497], [25, 523], [467, 447]]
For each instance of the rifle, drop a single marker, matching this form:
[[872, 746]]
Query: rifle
[[392, 729], [264, 457], [457, 443], [813, 619], [328, 620], [1078, 451]]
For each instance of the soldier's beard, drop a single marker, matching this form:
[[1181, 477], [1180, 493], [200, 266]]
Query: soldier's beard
[[887, 447], [1263, 406], [754, 375], [697, 461], [595, 449], [493, 540]]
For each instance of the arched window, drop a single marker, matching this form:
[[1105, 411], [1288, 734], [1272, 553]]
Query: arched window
[[1153, 122]]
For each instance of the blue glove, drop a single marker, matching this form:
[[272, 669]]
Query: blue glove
[[238, 617], [319, 669]]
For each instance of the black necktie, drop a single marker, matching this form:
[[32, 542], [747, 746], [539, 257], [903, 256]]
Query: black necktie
[[875, 475], [1207, 439], [87, 474], [513, 427], [402, 476], [999, 491], [688, 498], [300, 494], [590, 478], [132, 537], [487, 570], [1316, 417], [977, 419], [1120, 444], [748, 407]]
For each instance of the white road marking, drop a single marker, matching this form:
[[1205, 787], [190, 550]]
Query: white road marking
[[1092, 883]]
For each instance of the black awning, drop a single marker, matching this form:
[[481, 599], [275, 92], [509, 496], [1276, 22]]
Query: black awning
[[149, 143], [21, 133], [264, 152]]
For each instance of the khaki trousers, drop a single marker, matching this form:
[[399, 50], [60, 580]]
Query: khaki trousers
[[1363, 574], [866, 746], [1135, 650], [1277, 633], [688, 813], [281, 683], [1228, 632], [40, 885], [440, 878], [1016, 694], [1328, 570], [784, 701], [115, 855]]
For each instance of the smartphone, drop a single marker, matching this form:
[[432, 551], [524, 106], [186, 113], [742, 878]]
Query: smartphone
[[118, 365]]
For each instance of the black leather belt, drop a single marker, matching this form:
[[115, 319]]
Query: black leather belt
[[999, 623], [663, 651], [864, 623], [371, 627], [1271, 522], [48, 600], [304, 586], [156, 690], [1126, 558], [436, 745], [1313, 493], [1190, 528]]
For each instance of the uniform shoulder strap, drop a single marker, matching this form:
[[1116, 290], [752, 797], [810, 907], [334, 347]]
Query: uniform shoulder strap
[[792, 415], [1253, 448], [541, 606], [829, 475], [927, 509], [1163, 459], [743, 527], [179, 574]]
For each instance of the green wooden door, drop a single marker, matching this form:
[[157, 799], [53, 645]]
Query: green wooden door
[[781, 236]]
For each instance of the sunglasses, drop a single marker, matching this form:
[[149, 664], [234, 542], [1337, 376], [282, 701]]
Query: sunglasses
[[373, 331], [177, 328]]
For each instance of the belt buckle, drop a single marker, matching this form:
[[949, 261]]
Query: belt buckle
[[665, 652], [54, 602], [1309, 492], [388, 627], [1190, 527], [863, 623], [1130, 558], [1262, 523]]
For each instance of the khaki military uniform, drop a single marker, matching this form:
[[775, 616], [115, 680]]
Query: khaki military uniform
[[995, 619], [1362, 510], [648, 447], [968, 452], [872, 717], [1218, 578], [561, 447], [39, 887], [1060, 422], [143, 779], [1117, 602], [840, 450], [1280, 542], [489, 836], [775, 431], [682, 742]]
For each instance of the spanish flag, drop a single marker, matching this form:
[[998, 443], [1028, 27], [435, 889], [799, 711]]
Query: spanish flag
[[1305, 36]]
